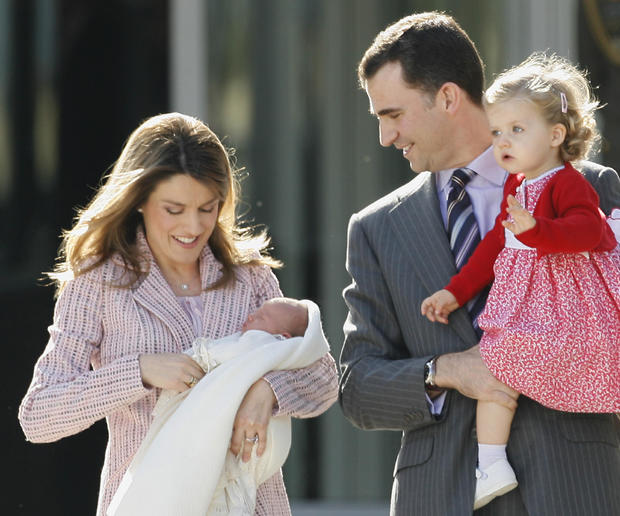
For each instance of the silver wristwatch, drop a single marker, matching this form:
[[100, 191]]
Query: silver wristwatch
[[429, 373]]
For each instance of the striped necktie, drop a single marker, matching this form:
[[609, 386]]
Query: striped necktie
[[464, 233]]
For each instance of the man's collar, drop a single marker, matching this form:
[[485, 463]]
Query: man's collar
[[484, 165]]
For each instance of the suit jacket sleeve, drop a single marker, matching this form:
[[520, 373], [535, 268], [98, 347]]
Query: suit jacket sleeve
[[381, 386], [305, 392], [606, 182]]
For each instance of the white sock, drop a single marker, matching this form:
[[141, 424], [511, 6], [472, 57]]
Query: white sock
[[488, 454]]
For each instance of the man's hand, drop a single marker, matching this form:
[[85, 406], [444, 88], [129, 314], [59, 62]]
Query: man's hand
[[466, 372]]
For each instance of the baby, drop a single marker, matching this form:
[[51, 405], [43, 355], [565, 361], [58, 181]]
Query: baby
[[279, 316], [191, 430]]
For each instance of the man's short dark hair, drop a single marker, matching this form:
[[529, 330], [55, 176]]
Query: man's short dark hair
[[432, 49]]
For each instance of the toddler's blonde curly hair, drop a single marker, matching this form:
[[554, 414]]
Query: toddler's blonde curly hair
[[542, 79]]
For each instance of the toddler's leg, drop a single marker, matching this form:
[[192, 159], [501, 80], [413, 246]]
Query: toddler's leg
[[493, 422], [494, 473]]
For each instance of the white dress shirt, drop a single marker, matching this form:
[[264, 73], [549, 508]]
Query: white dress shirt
[[485, 190]]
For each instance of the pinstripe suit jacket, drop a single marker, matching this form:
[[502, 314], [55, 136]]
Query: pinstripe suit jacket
[[398, 254], [90, 370]]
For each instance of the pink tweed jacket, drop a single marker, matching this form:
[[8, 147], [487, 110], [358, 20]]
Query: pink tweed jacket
[[89, 369]]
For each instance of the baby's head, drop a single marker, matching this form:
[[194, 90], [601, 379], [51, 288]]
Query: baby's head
[[279, 316], [559, 92]]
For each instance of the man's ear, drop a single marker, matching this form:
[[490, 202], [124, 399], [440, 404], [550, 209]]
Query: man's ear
[[558, 134], [449, 97]]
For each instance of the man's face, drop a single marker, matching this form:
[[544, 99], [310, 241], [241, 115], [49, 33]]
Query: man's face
[[409, 118]]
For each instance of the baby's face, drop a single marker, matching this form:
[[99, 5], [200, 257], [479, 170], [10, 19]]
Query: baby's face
[[270, 317]]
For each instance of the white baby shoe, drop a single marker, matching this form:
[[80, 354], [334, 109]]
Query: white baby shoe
[[499, 478]]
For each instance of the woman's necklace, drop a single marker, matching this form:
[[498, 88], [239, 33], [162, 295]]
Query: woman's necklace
[[180, 285], [186, 288]]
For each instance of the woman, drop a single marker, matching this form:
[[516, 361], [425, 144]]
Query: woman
[[154, 261]]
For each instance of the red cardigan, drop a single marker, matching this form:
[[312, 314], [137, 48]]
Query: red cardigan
[[568, 220]]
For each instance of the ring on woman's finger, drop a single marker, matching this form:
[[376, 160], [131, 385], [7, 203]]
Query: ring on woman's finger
[[192, 381], [252, 440]]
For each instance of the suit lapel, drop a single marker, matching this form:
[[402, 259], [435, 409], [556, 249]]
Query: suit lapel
[[417, 223]]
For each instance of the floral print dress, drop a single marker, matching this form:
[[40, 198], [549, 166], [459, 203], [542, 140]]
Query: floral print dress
[[552, 323]]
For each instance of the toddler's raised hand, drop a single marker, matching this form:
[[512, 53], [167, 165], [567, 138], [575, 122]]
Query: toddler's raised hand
[[523, 220], [438, 306]]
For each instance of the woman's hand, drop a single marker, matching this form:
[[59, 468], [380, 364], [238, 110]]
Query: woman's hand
[[174, 371], [252, 419]]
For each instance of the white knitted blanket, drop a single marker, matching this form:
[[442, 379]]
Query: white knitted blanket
[[184, 466]]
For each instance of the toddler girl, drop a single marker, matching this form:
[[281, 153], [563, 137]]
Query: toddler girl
[[552, 319]]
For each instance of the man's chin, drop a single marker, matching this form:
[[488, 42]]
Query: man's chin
[[413, 168]]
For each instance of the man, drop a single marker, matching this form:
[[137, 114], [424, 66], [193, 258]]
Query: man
[[424, 80]]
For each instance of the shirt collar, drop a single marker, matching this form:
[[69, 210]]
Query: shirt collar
[[484, 165]]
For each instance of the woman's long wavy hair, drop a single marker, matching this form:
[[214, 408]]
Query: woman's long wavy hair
[[161, 147]]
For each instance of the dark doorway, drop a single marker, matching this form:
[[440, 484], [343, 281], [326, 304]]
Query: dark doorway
[[78, 78]]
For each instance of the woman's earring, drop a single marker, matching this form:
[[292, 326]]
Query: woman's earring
[[139, 210]]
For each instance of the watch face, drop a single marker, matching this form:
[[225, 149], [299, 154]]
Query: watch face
[[429, 373]]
